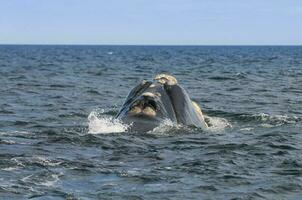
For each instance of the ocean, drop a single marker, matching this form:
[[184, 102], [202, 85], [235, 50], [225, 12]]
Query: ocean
[[59, 138]]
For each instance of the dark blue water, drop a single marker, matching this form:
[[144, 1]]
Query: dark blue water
[[58, 139]]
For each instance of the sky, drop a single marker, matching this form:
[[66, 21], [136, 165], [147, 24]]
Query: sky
[[151, 22]]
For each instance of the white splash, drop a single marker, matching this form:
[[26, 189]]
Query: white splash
[[103, 124], [217, 124], [54, 179], [164, 127]]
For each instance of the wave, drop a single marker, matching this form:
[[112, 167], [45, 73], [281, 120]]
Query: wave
[[16, 133], [217, 124], [99, 122], [7, 141], [166, 127], [49, 180], [268, 120], [236, 76], [54, 178]]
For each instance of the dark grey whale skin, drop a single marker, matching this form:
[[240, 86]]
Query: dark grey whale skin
[[172, 102]]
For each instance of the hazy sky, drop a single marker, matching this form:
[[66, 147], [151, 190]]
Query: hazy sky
[[203, 22]]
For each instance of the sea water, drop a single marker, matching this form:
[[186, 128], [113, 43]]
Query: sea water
[[59, 138]]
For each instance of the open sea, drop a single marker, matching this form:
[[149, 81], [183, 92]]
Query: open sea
[[59, 139]]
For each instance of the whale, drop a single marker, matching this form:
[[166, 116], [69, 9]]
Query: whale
[[149, 103]]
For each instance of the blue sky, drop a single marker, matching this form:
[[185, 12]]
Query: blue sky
[[192, 22]]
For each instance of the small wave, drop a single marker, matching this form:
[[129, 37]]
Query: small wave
[[271, 120], [217, 124], [246, 129], [21, 162], [54, 179], [3, 111], [278, 118], [165, 127], [10, 168], [240, 75], [16, 133], [7, 141], [17, 165], [221, 78], [49, 181], [102, 124], [44, 161]]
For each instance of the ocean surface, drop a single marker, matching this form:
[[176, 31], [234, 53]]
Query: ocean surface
[[59, 139]]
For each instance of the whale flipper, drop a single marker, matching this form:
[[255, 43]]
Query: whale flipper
[[183, 107]]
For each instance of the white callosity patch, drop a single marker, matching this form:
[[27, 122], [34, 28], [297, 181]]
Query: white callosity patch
[[148, 94], [166, 79], [149, 112], [135, 110], [105, 124]]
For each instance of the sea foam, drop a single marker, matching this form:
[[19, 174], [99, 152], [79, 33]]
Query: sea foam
[[217, 124]]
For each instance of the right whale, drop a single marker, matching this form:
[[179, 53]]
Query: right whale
[[151, 102]]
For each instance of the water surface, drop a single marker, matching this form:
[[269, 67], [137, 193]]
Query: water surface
[[58, 140]]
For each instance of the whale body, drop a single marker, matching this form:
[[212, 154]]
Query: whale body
[[151, 102]]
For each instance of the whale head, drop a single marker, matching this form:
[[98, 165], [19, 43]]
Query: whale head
[[151, 102]]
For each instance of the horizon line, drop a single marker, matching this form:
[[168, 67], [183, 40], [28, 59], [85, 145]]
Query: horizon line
[[88, 44]]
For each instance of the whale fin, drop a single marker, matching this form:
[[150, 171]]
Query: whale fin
[[183, 107]]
